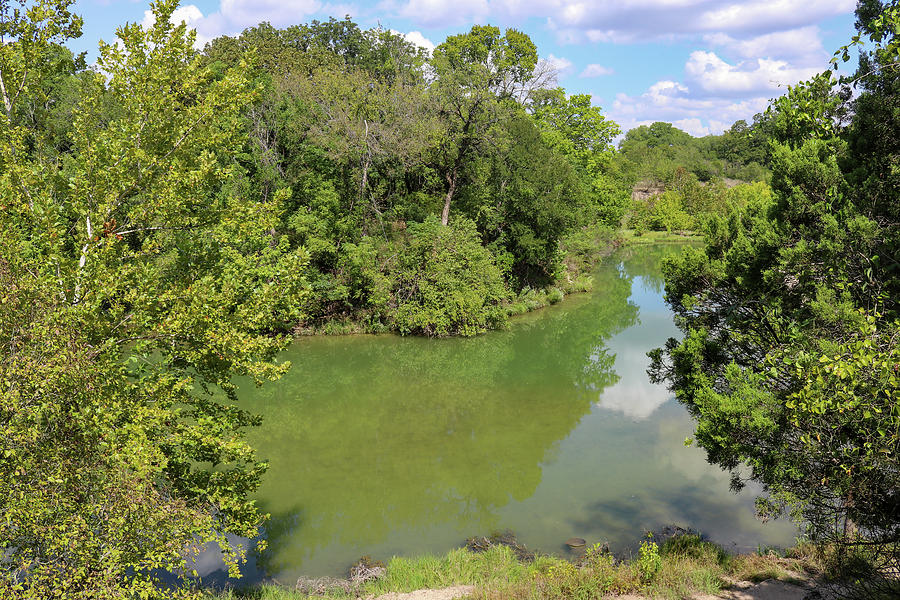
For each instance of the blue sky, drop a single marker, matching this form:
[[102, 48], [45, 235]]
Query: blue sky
[[701, 64]]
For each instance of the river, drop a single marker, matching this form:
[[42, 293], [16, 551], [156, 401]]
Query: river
[[385, 445]]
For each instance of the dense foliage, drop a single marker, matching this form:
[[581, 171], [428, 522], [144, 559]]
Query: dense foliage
[[679, 181], [447, 282], [368, 137], [135, 280], [789, 360]]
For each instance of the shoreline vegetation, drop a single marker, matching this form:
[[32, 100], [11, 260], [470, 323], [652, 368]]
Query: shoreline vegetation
[[584, 251], [674, 565]]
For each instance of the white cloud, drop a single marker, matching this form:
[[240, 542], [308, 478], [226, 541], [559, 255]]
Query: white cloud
[[713, 94], [673, 102], [418, 39], [247, 13], [713, 76], [662, 92], [562, 66], [338, 11], [769, 14], [801, 46], [629, 20], [595, 70]]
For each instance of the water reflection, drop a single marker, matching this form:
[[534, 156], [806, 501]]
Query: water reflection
[[387, 445], [633, 394]]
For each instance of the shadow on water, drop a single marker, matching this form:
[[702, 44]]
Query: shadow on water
[[404, 445], [382, 445]]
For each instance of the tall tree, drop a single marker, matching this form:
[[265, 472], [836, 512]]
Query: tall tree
[[575, 128], [475, 75], [136, 279], [789, 359]]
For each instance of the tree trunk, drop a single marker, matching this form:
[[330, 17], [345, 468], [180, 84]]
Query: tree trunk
[[451, 179], [365, 160]]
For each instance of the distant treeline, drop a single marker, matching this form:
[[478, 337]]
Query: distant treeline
[[660, 153], [679, 181]]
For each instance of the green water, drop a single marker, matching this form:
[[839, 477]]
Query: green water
[[387, 446]]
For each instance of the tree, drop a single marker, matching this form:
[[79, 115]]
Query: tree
[[789, 358], [137, 280], [527, 197], [29, 54], [475, 75], [447, 282], [578, 130]]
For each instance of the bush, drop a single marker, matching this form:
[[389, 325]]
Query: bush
[[665, 211], [555, 295], [585, 247], [649, 561], [447, 283], [669, 213]]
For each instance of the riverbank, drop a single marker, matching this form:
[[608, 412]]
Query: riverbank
[[582, 250], [683, 566], [632, 237]]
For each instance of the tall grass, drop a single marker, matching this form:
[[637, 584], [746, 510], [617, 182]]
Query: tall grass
[[684, 566]]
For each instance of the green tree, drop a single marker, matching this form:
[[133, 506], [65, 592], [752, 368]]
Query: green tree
[[476, 74], [578, 130], [447, 282], [527, 198], [29, 50], [656, 152], [789, 358], [137, 280]]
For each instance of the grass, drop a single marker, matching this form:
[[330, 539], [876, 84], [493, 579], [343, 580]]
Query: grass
[[681, 567], [633, 238]]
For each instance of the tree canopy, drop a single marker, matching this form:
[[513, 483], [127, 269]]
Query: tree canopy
[[137, 280], [790, 316]]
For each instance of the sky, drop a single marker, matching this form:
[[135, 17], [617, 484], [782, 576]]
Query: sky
[[700, 64]]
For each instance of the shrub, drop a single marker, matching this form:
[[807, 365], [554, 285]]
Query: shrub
[[649, 560], [447, 283], [555, 295], [668, 213], [585, 247]]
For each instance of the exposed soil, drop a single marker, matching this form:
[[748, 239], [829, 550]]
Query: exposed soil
[[767, 590], [743, 590], [450, 593]]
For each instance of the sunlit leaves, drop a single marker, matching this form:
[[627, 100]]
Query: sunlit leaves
[[138, 279]]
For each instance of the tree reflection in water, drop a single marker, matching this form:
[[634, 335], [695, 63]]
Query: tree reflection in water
[[387, 445]]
